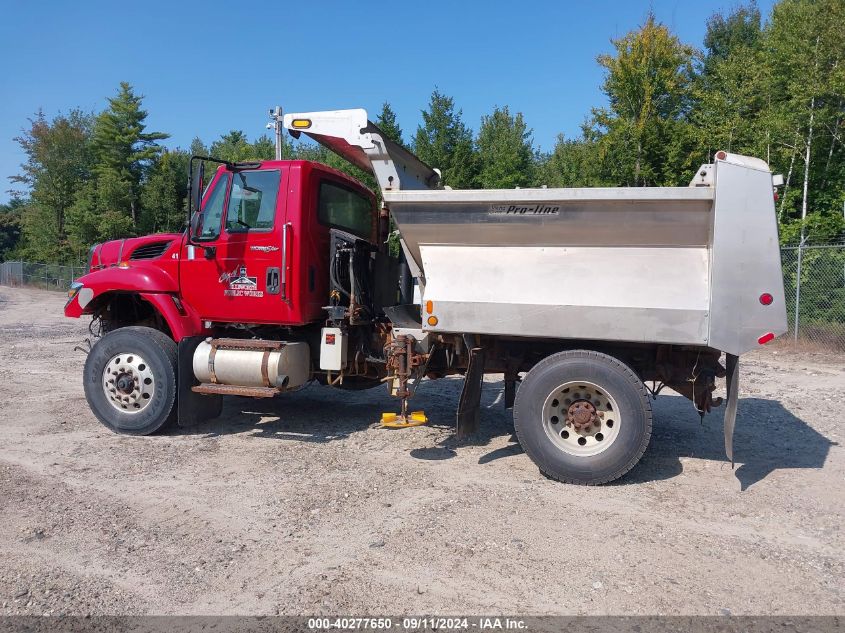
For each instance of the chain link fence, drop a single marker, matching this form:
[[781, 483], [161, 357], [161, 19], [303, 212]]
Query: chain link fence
[[48, 276], [813, 279], [814, 282]]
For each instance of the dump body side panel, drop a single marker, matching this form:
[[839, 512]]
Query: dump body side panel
[[600, 264], [601, 293]]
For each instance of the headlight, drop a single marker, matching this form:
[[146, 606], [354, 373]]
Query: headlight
[[74, 289]]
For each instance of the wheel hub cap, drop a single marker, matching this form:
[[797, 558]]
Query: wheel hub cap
[[128, 383], [582, 414], [125, 383], [581, 418]]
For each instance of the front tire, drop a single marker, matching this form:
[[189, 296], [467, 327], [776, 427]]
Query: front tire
[[130, 380], [583, 417]]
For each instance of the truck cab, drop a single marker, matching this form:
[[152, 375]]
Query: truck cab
[[257, 251], [256, 254]]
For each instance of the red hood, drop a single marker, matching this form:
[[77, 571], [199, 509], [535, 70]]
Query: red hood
[[133, 248]]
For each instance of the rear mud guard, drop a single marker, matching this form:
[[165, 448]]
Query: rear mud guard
[[732, 381], [192, 408], [469, 405]]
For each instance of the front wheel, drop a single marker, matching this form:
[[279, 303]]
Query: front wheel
[[130, 380], [583, 417]]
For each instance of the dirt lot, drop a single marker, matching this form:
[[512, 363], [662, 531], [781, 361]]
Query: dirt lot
[[304, 505]]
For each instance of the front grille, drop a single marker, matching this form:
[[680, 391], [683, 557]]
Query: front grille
[[150, 251]]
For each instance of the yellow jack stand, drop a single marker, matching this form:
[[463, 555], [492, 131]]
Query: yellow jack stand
[[399, 421]]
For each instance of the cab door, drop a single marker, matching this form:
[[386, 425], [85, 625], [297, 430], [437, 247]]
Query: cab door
[[233, 273]]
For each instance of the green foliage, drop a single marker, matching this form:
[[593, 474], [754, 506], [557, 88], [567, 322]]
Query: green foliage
[[505, 151], [647, 83], [572, 163], [124, 152], [58, 163], [445, 143], [164, 193], [236, 147], [319, 154], [822, 285], [805, 56], [741, 29], [386, 121], [818, 228], [10, 227]]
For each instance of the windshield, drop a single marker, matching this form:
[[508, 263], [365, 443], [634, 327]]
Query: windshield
[[252, 202]]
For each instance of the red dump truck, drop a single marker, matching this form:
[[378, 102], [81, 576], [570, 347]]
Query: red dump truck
[[579, 297]]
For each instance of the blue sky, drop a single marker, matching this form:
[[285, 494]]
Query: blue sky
[[206, 68]]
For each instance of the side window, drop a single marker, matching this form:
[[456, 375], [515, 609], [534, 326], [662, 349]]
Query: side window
[[345, 209], [252, 203], [212, 213]]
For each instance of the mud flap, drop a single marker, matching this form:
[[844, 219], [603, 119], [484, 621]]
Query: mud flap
[[732, 380], [469, 405], [192, 408], [511, 378], [510, 392]]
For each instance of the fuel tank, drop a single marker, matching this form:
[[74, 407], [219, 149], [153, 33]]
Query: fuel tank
[[253, 363]]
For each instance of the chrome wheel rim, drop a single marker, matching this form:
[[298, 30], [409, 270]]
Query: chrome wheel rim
[[581, 418], [128, 383]]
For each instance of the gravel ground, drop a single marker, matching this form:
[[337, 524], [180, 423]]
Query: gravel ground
[[304, 505]]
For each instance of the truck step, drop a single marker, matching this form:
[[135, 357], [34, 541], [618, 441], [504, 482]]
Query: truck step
[[235, 390], [246, 343]]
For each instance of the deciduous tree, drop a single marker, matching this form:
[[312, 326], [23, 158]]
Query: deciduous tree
[[58, 163], [647, 82]]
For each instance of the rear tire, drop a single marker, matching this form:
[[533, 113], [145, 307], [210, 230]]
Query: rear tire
[[130, 380], [583, 417]]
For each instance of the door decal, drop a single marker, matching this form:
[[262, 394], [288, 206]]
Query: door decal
[[241, 284]]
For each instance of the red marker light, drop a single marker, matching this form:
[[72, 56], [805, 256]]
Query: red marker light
[[721, 155], [768, 336], [766, 299]]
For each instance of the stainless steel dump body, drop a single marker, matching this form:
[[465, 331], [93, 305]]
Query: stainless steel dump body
[[678, 265]]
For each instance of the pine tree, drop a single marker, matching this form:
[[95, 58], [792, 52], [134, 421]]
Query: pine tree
[[232, 146], [198, 148], [387, 123], [264, 148], [505, 151], [445, 143], [124, 151]]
